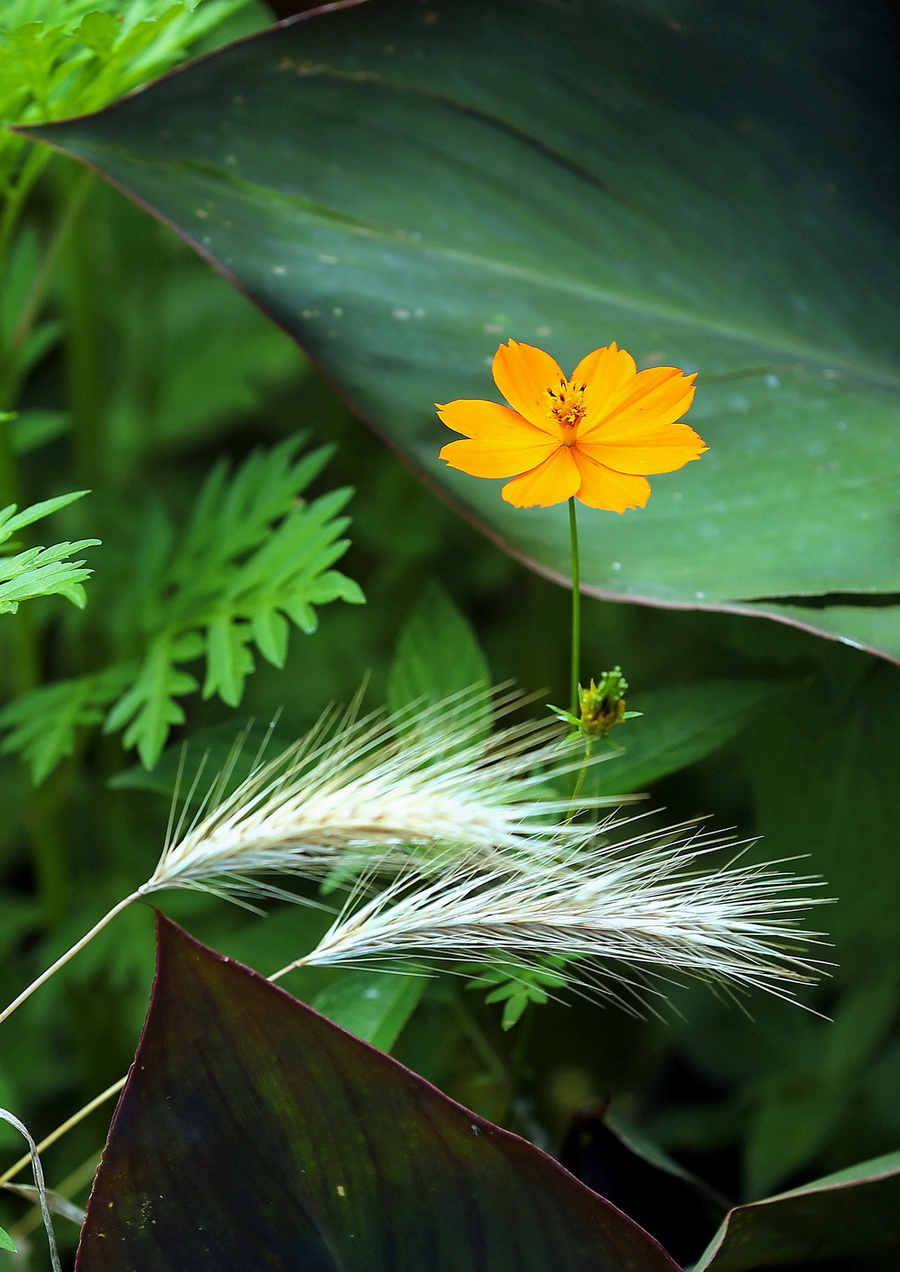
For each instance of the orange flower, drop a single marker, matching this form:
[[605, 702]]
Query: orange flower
[[591, 436]]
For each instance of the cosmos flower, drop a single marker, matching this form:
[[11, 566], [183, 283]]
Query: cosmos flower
[[592, 436]]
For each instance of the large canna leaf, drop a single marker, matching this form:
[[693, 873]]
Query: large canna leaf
[[402, 185], [253, 1133], [851, 1213]]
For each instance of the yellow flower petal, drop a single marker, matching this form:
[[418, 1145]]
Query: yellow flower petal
[[552, 482], [606, 373], [602, 488], [523, 374], [489, 420], [660, 450], [483, 457], [655, 397]]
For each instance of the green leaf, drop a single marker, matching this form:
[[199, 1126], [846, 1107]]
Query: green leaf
[[32, 429], [677, 727], [800, 1106], [228, 660], [253, 558], [851, 1213], [658, 181], [148, 707], [43, 725], [6, 1241], [40, 571], [373, 1005], [11, 520], [356, 1162], [438, 655], [843, 730], [518, 985]]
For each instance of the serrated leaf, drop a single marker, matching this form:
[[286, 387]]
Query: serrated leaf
[[40, 571], [44, 572], [43, 725], [11, 520], [253, 558], [270, 632], [148, 708], [228, 660]]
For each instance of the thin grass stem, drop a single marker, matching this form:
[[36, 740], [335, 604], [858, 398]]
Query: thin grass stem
[[69, 954], [65, 1127]]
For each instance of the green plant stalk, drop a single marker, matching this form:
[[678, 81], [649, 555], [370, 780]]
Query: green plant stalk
[[12, 207], [83, 351], [48, 850], [576, 607], [32, 307], [582, 772], [576, 643], [16, 196]]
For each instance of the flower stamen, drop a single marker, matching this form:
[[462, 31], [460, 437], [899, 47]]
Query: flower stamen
[[567, 409]]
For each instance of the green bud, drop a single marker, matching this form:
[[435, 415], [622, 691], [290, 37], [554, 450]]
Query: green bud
[[600, 705]]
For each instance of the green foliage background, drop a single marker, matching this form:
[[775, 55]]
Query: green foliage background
[[220, 466]]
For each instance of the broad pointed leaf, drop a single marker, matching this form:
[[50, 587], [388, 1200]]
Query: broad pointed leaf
[[255, 1133], [402, 186], [851, 1213]]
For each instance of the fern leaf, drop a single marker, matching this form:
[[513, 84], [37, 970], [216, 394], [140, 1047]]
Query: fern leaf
[[228, 660], [40, 571], [149, 708], [43, 725], [12, 520], [44, 572], [254, 559]]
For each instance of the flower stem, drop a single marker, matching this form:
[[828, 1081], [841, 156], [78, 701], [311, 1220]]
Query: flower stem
[[582, 773], [576, 606]]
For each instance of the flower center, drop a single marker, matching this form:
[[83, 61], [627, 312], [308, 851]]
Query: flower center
[[567, 409]]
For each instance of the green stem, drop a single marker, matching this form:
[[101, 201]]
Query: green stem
[[576, 607], [579, 782], [37, 293], [84, 349], [48, 850]]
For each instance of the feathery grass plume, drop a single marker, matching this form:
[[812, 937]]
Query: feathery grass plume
[[370, 795], [357, 798], [621, 915]]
